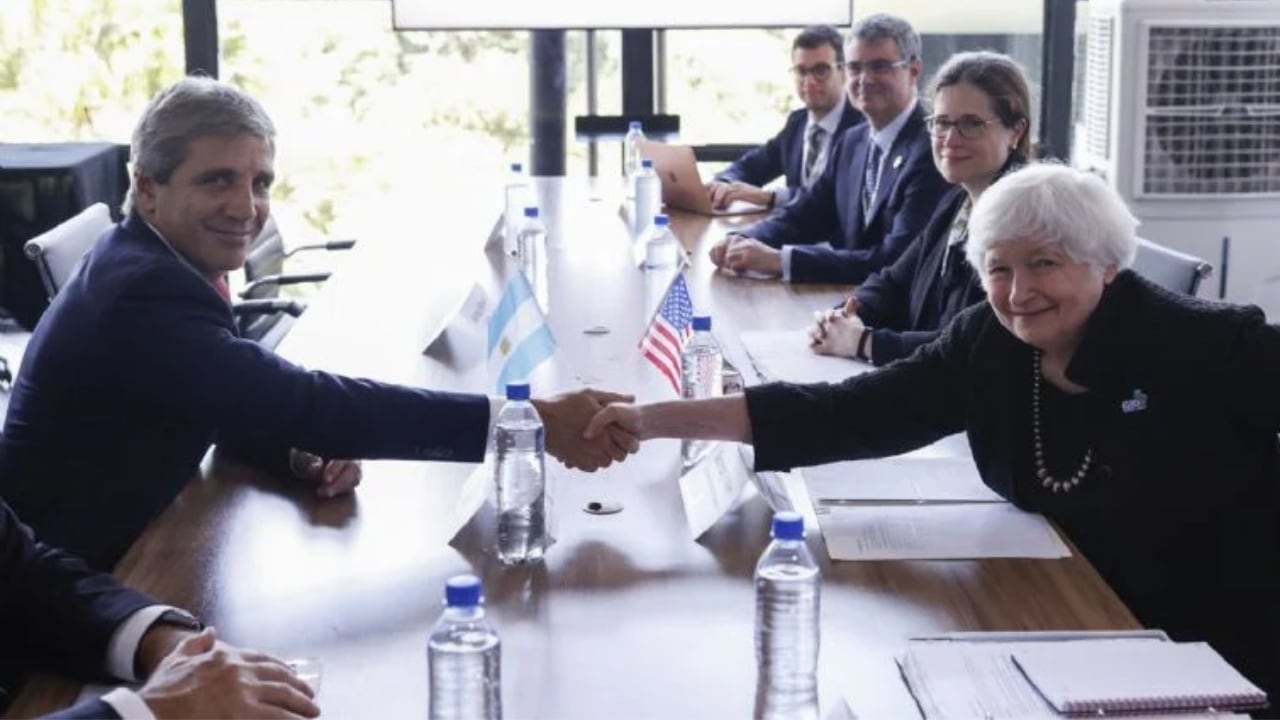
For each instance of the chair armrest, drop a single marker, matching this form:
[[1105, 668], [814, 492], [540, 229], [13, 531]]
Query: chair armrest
[[341, 244], [278, 280], [267, 307]]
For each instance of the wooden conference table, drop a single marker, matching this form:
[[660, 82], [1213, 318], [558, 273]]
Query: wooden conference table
[[629, 617]]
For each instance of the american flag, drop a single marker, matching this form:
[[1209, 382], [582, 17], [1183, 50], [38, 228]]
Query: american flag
[[667, 333]]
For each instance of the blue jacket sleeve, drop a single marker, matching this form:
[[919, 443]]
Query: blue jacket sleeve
[[813, 216], [55, 613], [183, 352], [760, 165]]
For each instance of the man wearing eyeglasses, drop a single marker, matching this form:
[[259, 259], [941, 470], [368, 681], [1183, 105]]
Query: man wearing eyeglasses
[[879, 188], [799, 152]]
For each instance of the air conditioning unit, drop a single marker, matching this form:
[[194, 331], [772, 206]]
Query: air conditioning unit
[[1181, 114]]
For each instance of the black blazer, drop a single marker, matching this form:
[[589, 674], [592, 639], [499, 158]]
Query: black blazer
[[136, 368], [783, 154], [55, 614], [830, 211], [907, 304], [1181, 510]]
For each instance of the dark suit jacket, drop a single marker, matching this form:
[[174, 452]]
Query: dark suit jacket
[[831, 209], [907, 304], [783, 154], [55, 614], [134, 371], [1181, 510]]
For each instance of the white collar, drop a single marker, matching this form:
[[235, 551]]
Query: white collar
[[886, 136], [829, 122]]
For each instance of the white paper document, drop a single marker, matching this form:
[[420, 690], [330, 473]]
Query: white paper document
[[713, 487], [906, 478], [785, 355], [937, 532]]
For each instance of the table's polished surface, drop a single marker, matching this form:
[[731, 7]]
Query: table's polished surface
[[628, 617]]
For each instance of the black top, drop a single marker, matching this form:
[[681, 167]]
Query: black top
[[1180, 511], [908, 303]]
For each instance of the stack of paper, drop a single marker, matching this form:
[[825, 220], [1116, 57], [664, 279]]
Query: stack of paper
[[786, 356], [979, 674]]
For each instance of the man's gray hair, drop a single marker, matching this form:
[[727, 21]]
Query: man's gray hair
[[1054, 204], [191, 108], [882, 26]]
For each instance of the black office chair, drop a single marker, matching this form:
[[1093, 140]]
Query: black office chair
[[1170, 269], [261, 314]]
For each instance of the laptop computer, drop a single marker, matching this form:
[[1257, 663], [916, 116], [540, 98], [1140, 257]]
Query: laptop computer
[[682, 186]]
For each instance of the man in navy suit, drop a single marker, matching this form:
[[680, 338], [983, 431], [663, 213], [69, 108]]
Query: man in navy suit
[[879, 189], [800, 151], [136, 368], [57, 615]]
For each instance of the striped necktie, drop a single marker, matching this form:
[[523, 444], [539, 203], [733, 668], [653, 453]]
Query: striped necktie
[[871, 181], [816, 134]]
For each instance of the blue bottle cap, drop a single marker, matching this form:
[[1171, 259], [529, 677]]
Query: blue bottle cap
[[462, 591], [531, 212], [646, 163], [517, 167], [788, 526], [660, 220], [634, 125], [518, 391], [701, 322]]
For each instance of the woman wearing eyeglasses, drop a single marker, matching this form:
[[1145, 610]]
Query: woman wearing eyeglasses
[[980, 130]]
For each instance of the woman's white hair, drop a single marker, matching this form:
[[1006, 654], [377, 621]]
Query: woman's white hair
[[1054, 204]]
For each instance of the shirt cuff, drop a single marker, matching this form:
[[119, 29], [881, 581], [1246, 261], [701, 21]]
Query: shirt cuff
[[123, 648], [786, 262], [780, 196], [495, 407], [128, 704]]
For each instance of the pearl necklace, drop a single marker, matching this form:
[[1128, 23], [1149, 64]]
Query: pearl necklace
[[1042, 473]]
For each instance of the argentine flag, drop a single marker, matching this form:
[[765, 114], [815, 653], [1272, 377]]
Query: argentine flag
[[519, 337]]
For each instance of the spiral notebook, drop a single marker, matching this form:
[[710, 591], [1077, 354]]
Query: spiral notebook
[[1120, 676]]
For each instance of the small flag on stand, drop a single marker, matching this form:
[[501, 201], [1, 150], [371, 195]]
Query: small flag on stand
[[670, 329], [519, 337]]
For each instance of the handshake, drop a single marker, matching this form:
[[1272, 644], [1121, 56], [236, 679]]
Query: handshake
[[589, 429]]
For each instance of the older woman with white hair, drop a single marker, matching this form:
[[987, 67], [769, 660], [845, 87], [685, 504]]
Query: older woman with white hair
[[1142, 422]]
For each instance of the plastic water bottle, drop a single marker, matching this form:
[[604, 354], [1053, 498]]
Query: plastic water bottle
[[520, 474], [464, 657], [787, 590], [702, 370], [661, 249], [631, 155], [648, 194], [530, 240], [517, 198]]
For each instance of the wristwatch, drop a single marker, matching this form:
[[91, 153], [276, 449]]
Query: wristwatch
[[863, 339], [179, 619]]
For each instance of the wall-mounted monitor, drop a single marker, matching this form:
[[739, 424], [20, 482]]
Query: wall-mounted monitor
[[615, 14]]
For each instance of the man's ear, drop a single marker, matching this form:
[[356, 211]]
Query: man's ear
[[144, 193]]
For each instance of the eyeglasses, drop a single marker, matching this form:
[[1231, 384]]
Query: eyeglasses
[[875, 67], [969, 126], [819, 71]]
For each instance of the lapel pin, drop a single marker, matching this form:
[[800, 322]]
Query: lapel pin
[[1136, 403], [897, 162]]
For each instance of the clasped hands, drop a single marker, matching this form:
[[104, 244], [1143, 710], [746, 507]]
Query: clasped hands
[[837, 331], [743, 254]]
